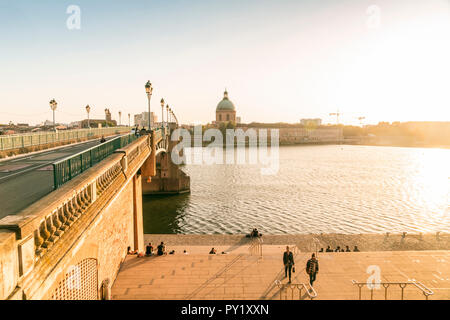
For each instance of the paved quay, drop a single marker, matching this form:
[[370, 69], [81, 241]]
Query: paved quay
[[243, 274]]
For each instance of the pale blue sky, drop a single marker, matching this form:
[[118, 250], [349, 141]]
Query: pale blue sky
[[280, 60]]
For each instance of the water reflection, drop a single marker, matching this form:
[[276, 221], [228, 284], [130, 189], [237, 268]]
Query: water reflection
[[329, 189], [164, 214]]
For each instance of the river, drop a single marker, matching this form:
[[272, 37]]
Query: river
[[318, 189]]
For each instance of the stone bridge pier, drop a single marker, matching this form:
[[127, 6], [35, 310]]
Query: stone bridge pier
[[162, 175]]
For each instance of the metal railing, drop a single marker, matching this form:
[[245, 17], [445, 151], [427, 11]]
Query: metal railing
[[256, 247], [16, 141], [386, 285], [295, 288], [66, 169]]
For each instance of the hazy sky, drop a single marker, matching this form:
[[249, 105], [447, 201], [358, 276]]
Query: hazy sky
[[280, 60]]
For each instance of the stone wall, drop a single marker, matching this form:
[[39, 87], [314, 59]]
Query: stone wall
[[9, 268], [106, 240]]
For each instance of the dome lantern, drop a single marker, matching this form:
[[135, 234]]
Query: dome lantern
[[225, 104]]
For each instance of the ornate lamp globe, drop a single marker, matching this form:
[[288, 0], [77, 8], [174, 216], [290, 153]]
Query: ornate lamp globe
[[148, 87], [53, 104]]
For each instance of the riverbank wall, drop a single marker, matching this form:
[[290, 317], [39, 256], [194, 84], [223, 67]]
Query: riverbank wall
[[313, 242]]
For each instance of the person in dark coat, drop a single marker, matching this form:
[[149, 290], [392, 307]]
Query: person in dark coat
[[161, 249], [288, 261], [149, 249], [312, 268]]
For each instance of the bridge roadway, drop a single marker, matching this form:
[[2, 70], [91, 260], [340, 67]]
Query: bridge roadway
[[27, 179]]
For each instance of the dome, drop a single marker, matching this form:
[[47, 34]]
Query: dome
[[225, 104]]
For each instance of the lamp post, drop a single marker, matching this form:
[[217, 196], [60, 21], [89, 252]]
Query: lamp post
[[88, 109], [129, 120], [120, 118], [149, 90], [106, 117], [53, 105], [162, 113], [167, 113]]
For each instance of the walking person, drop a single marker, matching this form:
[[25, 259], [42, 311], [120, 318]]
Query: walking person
[[288, 261], [312, 268]]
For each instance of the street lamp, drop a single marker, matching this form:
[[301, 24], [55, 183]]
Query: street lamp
[[149, 90], [167, 113], [162, 113], [129, 121], [120, 118], [53, 105], [88, 109]]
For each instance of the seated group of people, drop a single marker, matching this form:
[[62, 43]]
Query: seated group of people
[[254, 234], [214, 251], [339, 249], [160, 250]]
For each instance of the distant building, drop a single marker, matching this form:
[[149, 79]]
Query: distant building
[[311, 122], [98, 123], [141, 119], [225, 111], [302, 135], [75, 124], [47, 123]]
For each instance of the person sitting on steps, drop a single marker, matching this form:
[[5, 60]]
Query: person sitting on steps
[[161, 249], [149, 249], [129, 251]]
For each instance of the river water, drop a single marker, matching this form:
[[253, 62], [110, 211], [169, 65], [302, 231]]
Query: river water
[[330, 189]]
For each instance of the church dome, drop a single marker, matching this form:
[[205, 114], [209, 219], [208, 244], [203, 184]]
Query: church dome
[[225, 104]]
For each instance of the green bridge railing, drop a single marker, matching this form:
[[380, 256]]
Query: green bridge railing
[[68, 168], [15, 141]]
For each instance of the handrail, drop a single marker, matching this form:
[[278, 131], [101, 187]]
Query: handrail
[[256, 246], [15, 141], [311, 292], [314, 246], [425, 291], [86, 150], [69, 167]]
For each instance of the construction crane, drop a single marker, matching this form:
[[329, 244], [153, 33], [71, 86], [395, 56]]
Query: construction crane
[[337, 114]]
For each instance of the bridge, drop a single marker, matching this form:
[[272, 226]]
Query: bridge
[[68, 239]]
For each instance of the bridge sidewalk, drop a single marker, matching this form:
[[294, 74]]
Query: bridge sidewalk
[[240, 275]]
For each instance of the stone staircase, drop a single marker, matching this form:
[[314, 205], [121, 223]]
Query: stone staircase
[[241, 275]]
